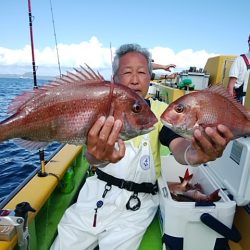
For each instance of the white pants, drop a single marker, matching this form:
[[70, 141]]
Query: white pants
[[114, 238], [117, 228]]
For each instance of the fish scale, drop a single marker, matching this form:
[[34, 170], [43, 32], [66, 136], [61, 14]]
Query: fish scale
[[65, 109], [207, 108]]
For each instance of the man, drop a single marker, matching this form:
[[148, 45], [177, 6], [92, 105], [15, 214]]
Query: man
[[239, 74], [156, 66], [114, 207]]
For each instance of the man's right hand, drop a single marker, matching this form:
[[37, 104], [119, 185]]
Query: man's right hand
[[168, 67], [102, 138], [230, 86]]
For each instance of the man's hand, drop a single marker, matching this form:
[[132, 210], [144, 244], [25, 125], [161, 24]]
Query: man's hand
[[102, 138], [205, 146], [210, 145], [230, 86], [168, 67]]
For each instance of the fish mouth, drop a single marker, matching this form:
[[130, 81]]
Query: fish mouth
[[180, 130], [128, 134], [142, 127], [167, 124]]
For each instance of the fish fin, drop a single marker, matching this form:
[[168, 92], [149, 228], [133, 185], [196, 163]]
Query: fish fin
[[20, 100], [214, 196], [187, 175], [181, 179], [92, 72], [220, 90], [30, 145], [81, 76]]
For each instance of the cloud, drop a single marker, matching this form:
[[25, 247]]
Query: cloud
[[15, 57], [91, 52], [183, 59], [73, 55]]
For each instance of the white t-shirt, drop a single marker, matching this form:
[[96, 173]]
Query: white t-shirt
[[239, 70]]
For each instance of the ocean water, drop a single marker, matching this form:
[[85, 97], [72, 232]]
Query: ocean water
[[17, 163]]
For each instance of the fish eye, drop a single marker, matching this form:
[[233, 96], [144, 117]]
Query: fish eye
[[136, 107], [179, 108]]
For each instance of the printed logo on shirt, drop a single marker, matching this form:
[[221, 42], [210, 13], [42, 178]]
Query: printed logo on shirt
[[145, 162]]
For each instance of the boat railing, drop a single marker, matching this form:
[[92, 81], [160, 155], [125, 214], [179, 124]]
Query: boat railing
[[45, 196], [27, 179]]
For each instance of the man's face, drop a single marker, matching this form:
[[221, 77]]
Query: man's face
[[133, 72]]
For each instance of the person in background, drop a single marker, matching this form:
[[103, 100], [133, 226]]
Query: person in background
[[239, 74], [167, 67], [117, 204]]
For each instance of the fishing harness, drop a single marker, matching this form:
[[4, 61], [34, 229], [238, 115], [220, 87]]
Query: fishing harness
[[134, 202], [246, 61], [240, 91]]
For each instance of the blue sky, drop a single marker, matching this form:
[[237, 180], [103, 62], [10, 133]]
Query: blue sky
[[182, 32]]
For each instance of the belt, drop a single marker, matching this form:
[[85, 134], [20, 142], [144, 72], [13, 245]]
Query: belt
[[144, 187]]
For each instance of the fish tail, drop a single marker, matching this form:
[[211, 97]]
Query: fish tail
[[4, 132], [181, 179], [2, 136], [187, 175], [214, 196]]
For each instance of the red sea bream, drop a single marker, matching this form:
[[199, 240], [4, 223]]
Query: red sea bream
[[65, 110], [204, 108], [184, 191]]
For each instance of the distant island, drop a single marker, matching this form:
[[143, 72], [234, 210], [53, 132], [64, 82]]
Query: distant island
[[27, 75]]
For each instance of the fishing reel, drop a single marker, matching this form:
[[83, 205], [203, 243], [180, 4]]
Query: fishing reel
[[16, 222]]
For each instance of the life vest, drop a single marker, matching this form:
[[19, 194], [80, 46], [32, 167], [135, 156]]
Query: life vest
[[157, 107], [246, 61]]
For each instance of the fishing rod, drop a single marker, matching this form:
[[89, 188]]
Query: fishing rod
[[32, 45], [42, 172]]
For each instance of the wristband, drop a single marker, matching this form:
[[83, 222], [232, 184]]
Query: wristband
[[94, 162], [186, 160]]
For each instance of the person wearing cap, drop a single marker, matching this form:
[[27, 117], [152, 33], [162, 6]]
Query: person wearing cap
[[239, 74]]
